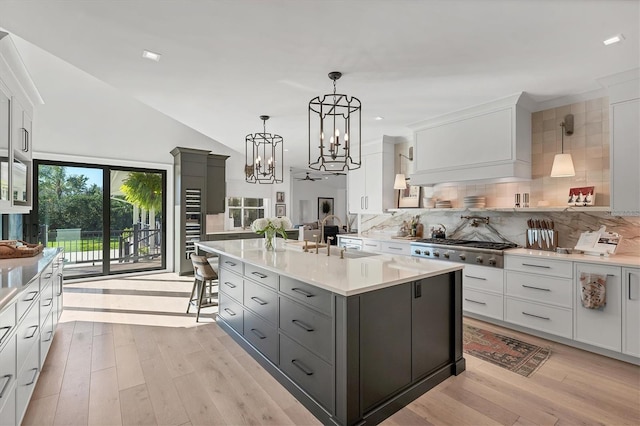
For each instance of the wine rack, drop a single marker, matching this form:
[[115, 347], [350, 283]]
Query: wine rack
[[193, 220]]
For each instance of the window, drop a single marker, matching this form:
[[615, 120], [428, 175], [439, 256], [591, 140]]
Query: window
[[244, 211]]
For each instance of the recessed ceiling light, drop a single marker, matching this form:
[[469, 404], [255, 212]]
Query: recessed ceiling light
[[326, 177], [147, 54], [615, 39], [378, 118]]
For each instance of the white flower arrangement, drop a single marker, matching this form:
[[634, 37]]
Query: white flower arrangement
[[272, 226]]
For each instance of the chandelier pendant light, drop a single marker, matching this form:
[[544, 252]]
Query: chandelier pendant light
[[334, 131], [563, 163], [264, 156]]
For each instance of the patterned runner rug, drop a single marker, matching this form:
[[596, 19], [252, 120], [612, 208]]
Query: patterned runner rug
[[513, 354]]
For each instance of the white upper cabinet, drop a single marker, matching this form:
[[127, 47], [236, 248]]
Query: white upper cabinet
[[489, 141], [18, 95], [370, 188]]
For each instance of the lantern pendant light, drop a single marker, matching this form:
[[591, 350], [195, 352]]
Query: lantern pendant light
[[334, 131], [563, 163], [263, 156]]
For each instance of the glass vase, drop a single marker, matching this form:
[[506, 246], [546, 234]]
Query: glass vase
[[269, 240]]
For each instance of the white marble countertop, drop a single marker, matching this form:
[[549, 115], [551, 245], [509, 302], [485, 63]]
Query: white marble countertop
[[347, 277], [380, 236], [615, 260], [16, 274]]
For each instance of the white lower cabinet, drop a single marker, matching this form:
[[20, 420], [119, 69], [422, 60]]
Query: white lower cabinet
[[539, 316], [631, 311], [600, 327], [482, 291], [27, 377]]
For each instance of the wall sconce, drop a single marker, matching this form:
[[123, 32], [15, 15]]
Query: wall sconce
[[563, 163], [401, 181]]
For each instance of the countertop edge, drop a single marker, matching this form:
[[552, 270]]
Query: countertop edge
[[613, 260]]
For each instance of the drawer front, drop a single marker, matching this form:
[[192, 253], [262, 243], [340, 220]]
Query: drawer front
[[487, 304], [556, 268], [46, 301], [310, 328], [556, 291], [231, 284], [481, 278], [27, 377], [7, 323], [540, 317], [395, 248], [306, 293], [7, 368], [231, 264], [262, 276], [371, 245], [310, 372], [28, 297], [8, 410], [28, 333], [261, 300], [262, 335], [231, 312], [46, 337]]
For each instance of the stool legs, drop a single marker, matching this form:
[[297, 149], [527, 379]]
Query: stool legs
[[193, 292]]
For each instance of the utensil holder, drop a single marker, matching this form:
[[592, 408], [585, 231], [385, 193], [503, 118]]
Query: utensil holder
[[542, 239]]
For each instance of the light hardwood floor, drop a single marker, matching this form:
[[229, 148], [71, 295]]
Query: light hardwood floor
[[126, 354]]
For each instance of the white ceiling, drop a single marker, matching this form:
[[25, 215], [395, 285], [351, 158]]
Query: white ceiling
[[224, 63]]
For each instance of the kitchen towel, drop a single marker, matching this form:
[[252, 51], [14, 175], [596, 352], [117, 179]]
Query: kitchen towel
[[593, 290]]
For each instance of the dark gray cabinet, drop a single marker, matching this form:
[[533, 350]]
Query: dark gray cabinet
[[199, 189]]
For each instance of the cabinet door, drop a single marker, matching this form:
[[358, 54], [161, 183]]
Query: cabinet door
[[625, 157], [373, 183], [216, 186], [431, 304], [385, 343], [631, 311], [5, 115], [356, 181], [600, 327]]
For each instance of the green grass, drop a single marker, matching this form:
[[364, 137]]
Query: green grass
[[82, 245]]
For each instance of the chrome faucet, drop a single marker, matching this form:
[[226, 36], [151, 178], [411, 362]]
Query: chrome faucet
[[323, 222]]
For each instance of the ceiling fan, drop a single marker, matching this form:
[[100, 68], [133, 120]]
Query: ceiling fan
[[309, 178]]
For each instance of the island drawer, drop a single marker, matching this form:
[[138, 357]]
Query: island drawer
[[231, 264], [27, 297], [310, 328], [261, 275], [540, 317], [26, 381], [232, 312], [231, 284], [7, 367], [261, 300], [46, 337], [314, 296], [262, 335], [28, 333], [7, 322], [557, 268], [307, 370], [557, 291], [487, 304], [46, 301]]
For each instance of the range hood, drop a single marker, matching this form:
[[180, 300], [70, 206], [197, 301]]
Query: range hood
[[489, 142]]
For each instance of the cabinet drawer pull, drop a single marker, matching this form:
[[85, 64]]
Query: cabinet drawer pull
[[258, 274], [61, 279], [628, 285], [46, 277], [50, 336], [536, 266], [228, 284], [35, 329], [49, 302], [306, 370], [611, 275], [535, 316], [536, 288], [395, 248], [33, 379], [7, 378], [259, 301], [230, 312], [228, 262], [302, 325], [33, 296], [475, 278], [475, 301], [302, 292], [370, 245], [6, 329], [258, 334]]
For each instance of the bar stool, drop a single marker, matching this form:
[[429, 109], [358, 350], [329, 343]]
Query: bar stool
[[203, 284]]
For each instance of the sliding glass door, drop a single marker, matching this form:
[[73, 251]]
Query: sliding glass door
[[108, 219]]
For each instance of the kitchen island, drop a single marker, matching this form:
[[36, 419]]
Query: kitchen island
[[354, 339]]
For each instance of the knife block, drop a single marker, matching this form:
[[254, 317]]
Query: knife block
[[542, 239]]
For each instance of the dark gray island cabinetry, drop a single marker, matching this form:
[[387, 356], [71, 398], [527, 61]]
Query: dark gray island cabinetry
[[354, 343]]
